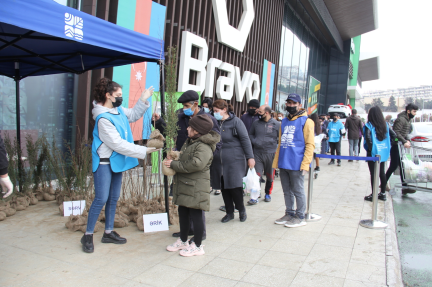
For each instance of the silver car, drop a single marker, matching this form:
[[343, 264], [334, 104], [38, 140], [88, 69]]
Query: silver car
[[421, 136]]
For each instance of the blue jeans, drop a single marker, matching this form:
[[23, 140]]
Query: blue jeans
[[353, 147], [107, 191], [293, 189]]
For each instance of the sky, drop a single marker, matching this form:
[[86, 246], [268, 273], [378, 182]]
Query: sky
[[403, 42]]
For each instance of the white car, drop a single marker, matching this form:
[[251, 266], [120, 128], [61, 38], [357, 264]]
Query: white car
[[421, 136], [343, 111]]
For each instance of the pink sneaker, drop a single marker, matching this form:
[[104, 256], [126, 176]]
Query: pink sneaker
[[193, 250], [178, 245]]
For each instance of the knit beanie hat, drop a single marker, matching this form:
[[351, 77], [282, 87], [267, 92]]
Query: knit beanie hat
[[202, 124], [254, 103]]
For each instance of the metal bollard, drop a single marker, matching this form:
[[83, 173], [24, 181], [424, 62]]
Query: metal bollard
[[374, 223], [310, 216]]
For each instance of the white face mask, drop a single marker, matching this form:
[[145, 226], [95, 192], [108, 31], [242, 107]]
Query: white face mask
[[280, 118]]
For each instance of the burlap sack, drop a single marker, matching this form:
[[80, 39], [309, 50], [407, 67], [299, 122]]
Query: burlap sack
[[2, 215], [9, 211], [48, 197], [155, 143], [157, 135]]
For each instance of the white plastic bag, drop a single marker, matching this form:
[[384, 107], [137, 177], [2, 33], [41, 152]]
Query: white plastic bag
[[244, 186], [318, 139], [253, 184]]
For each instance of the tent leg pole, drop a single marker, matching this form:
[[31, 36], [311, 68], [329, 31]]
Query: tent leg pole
[[162, 101], [18, 122]]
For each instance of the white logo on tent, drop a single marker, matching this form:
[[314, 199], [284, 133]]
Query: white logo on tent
[[74, 27]]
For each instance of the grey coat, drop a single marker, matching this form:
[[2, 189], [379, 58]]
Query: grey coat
[[236, 149]]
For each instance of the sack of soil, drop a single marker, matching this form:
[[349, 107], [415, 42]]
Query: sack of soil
[[48, 197], [79, 223], [2, 215], [174, 155]]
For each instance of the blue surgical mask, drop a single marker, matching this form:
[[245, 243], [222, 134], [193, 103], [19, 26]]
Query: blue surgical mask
[[188, 112], [207, 110], [217, 116]]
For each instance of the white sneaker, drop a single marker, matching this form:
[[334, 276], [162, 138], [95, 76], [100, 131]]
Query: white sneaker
[[295, 222], [284, 219], [178, 245], [192, 250]]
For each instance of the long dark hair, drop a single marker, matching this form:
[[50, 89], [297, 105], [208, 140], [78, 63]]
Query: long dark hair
[[317, 123], [102, 87], [376, 118]]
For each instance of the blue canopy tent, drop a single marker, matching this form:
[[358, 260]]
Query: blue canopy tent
[[41, 37]]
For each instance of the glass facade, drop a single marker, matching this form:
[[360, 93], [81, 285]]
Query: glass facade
[[46, 106], [301, 56]]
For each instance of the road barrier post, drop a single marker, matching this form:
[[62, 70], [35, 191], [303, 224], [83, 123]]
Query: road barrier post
[[374, 223], [311, 216]]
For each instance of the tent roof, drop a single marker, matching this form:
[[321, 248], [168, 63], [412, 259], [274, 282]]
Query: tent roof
[[49, 38]]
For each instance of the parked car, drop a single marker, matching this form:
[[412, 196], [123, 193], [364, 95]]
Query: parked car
[[343, 111], [421, 136]]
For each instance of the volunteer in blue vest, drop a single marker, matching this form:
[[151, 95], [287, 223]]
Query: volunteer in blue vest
[[293, 157], [335, 131], [377, 139], [113, 152]]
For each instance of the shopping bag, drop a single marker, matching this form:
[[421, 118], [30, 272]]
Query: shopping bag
[[244, 186], [253, 184]]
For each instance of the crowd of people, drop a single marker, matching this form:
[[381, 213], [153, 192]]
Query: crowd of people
[[217, 150]]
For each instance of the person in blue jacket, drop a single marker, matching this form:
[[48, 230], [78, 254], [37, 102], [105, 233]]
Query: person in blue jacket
[[377, 141], [335, 131], [113, 152]]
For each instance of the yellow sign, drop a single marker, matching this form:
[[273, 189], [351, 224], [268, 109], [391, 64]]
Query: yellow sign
[[317, 87]]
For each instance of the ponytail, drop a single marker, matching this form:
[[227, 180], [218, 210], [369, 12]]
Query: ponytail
[[103, 86], [222, 104]]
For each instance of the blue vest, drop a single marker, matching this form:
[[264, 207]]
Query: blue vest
[[292, 145], [381, 148], [119, 162], [334, 133]]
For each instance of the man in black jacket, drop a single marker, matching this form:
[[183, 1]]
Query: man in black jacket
[[251, 114], [402, 127], [354, 126], [189, 100]]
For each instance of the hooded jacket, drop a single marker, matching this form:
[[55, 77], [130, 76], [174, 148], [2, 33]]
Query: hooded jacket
[[109, 135], [309, 139], [354, 124], [191, 184], [402, 127]]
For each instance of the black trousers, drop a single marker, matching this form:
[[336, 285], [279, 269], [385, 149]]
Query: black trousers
[[359, 149], [335, 146], [186, 215], [231, 197], [382, 176], [395, 162]]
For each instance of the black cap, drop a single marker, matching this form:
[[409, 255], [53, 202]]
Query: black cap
[[254, 103], [188, 96]]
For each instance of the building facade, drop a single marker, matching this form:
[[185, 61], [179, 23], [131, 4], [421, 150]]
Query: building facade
[[240, 50]]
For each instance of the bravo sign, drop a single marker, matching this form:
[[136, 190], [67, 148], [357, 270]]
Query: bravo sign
[[205, 68]]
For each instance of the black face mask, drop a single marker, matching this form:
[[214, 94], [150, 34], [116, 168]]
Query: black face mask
[[252, 112], [118, 102], [334, 119], [291, 110], [261, 117], [410, 115]]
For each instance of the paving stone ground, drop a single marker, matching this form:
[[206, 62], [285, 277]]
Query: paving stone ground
[[37, 249]]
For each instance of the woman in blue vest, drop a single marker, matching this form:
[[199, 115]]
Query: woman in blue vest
[[377, 136], [113, 152]]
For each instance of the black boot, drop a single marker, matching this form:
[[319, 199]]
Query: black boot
[[368, 198], [113, 237], [243, 216], [382, 196], [87, 243], [227, 217]]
